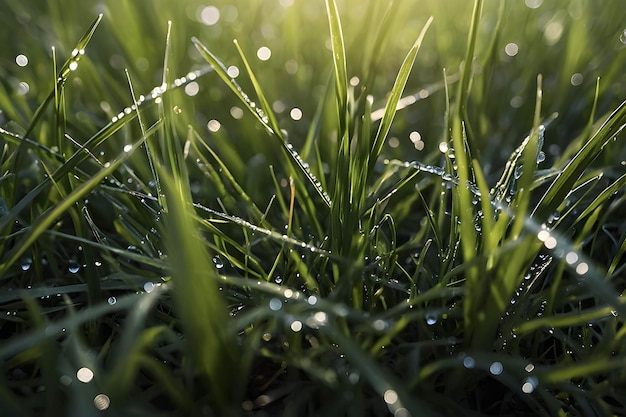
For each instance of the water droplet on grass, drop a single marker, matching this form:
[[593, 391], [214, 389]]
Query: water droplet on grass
[[496, 368], [431, 319], [26, 263], [84, 375], [529, 385], [469, 362], [112, 300], [102, 402], [390, 396], [296, 326], [275, 304], [73, 267], [217, 261]]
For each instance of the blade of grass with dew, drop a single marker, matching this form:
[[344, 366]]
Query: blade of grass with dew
[[265, 105], [294, 157], [46, 219], [392, 391], [258, 215], [602, 198], [32, 337], [529, 157], [69, 66], [475, 298], [149, 151], [199, 304], [568, 177]]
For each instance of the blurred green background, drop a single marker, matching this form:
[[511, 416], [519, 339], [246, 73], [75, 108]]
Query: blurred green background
[[570, 43]]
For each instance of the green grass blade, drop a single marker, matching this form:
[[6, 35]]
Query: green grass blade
[[568, 177], [295, 158], [49, 217], [339, 63], [265, 105], [395, 95], [199, 304], [529, 157], [69, 66]]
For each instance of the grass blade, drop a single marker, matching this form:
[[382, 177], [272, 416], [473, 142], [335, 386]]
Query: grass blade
[[199, 304], [395, 95]]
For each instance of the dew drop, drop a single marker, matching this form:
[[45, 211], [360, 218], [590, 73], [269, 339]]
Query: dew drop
[[431, 319], [541, 156], [21, 60], [496, 368], [26, 263], [529, 385], [296, 326], [148, 286], [264, 53], [112, 300], [469, 362], [275, 304], [84, 375], [390, 396], [582, 268], [102, 402], [128, 148], [73, 267], [217, 261]]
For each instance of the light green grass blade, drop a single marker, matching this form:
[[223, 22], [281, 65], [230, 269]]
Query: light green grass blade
[[395, 95], [265, 105], [568, 177], [69, 66], [476, 290], [45, 220], [339, 63], [529, 157], [199, 303]]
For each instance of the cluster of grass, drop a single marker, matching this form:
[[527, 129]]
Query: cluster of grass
[[385, 214]]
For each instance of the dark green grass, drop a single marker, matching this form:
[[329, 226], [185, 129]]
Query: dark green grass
[[180, 232]]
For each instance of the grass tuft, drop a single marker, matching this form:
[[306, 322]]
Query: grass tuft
[[186, 229]]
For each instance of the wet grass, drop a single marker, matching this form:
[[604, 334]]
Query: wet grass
[[397, 211]]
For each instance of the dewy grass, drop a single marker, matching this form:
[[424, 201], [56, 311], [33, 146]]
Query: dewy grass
[[301, 234]]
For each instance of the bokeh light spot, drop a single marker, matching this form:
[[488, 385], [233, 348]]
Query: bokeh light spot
[[511, 49], [213, 125], [264, 53], [102, 402], [209, 15], [296, 114], [21, 60], [84, 375]]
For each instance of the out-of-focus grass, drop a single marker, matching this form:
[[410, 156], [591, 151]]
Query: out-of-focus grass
[[195, 227]]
